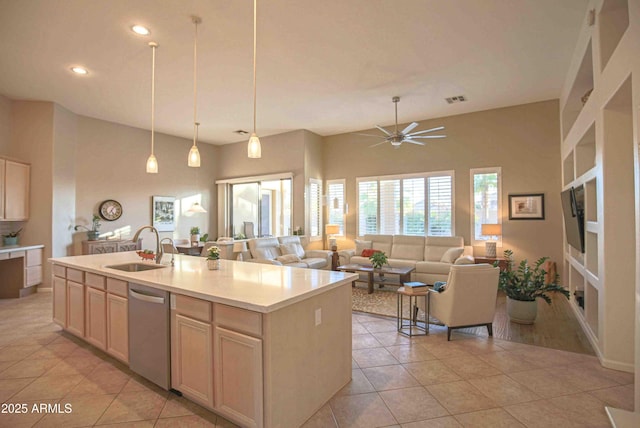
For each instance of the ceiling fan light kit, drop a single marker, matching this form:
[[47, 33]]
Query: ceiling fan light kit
[[396, 138]]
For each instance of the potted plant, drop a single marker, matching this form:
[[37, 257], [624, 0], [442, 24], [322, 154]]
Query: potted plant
[[11, 238], [195, 235], [524, 285], [213, 258], [378, 259], [94, 233]]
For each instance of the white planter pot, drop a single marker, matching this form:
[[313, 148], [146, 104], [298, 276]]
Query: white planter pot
[[522, 312], [213, 264], [195, 239]]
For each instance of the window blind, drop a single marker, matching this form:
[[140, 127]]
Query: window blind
[[335, 193], [315, 208], [440, 206], [367, 207]]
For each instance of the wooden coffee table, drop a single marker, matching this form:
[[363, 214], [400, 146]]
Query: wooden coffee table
[[403, 272]]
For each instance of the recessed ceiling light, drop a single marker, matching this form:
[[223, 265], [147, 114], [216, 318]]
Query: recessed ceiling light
[[139, 29], [79, 70]]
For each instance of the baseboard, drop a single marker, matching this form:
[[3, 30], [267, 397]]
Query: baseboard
[[617, 365], [44, 289]]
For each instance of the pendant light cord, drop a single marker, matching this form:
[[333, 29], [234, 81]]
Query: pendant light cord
[[153, 91], [196, 21], [255, 20]]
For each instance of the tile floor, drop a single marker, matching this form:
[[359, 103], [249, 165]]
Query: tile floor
[[396, 381]]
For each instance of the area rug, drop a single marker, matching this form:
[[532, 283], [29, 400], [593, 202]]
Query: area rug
[[383, 301]]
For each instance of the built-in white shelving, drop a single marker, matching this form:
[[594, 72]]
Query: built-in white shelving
[[613, 22]]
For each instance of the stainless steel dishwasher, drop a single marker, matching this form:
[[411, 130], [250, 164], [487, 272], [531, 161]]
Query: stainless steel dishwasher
[[149, 334]]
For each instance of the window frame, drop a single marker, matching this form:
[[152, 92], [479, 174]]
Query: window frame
[[319, 237], [342, 182], [472, 203], [401, 177]]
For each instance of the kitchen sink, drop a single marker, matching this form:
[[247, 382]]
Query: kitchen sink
[[135, 267]]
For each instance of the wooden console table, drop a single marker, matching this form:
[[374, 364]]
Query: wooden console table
[[503, 263], [110, 246]]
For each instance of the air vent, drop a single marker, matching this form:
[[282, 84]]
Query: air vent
[[456, 99], [241, 132]]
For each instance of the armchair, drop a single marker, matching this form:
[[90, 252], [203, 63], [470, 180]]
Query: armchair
[[469, 298]]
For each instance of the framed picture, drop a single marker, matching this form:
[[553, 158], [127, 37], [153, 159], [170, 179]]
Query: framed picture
[[164, 213], [526, 207]]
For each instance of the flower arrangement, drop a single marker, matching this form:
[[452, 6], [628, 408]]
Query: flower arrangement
[[12, 234], [195, 230], [213, 253]]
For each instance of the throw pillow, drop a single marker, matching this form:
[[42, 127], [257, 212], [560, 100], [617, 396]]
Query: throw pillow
[[362, 245], [464, 260], [439, 286], [288, 258], [292, 248], [368, 252], [451, 255]]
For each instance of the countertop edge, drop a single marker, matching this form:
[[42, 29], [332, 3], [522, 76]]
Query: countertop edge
[[10, 248]]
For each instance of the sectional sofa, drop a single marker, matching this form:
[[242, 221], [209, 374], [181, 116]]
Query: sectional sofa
[[287, 251], [432, 257]]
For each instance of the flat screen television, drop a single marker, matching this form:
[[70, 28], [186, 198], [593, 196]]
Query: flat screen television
[[573, 212]]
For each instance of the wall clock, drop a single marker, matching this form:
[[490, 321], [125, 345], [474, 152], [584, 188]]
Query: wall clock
[[110, 210]]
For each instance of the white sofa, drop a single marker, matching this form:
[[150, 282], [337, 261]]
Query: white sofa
[[287, 251], [432, 256]]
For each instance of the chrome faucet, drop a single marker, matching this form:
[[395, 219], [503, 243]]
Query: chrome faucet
[[173, 246], [159, 252]]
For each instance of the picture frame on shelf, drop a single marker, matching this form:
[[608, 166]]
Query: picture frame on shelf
[[163, 213], [529, 206]]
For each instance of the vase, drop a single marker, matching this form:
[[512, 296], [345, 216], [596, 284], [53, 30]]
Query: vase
[[93, 235], [195, 239], [522, 312], [213, 264], [10, 240]]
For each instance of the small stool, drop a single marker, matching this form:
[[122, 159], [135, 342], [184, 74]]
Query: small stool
[[413, 303]]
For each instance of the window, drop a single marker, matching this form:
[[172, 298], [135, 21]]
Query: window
[[336, 204], [315, 209], [412, 204], [486, 201]]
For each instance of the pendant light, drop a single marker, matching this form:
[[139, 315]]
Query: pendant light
[[254, 150], [193, 159], [152, 162]]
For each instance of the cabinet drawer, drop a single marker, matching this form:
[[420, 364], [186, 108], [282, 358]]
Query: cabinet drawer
[[60, 271], [75, 275], [34, 257], [94, 280], [34, 276], [193, 308], [117, 287], [238, 319], [17, 254]]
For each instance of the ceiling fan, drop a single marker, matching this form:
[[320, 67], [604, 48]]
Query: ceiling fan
[[396, 138]]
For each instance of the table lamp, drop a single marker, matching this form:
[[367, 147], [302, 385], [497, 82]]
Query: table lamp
[[240, 247], [330, 230], [491, 230]]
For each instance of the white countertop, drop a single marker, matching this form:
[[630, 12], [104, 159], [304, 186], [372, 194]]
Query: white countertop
[[13, 248], [254, 286]]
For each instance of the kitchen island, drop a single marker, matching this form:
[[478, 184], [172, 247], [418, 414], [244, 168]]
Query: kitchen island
[[262, 345]]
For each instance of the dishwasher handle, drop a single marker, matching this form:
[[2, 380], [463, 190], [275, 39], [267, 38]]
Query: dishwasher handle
[[145, 298]]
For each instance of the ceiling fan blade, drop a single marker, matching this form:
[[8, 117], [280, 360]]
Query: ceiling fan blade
[[420, 143], [409, 128], [428, 136], [368, 135], [428, 130], [383, 130], [377, 144]]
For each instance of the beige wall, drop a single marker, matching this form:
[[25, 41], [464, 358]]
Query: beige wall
[[524, 140], [5, 124], [110, 164], [65, 129], [280, 153], [32, 142]]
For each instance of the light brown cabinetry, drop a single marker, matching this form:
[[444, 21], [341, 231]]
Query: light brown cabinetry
[[238, 376], [192, 349], [20, 271], [15, 190], [96, 315], [118, 327], [75, 308], [60, 300]]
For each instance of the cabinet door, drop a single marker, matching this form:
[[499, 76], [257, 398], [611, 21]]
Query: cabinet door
[[75, 308], [238, 377], [118, 327], [3, 164], [192, 365], [60, 301], [16, 191], [96, 315]]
